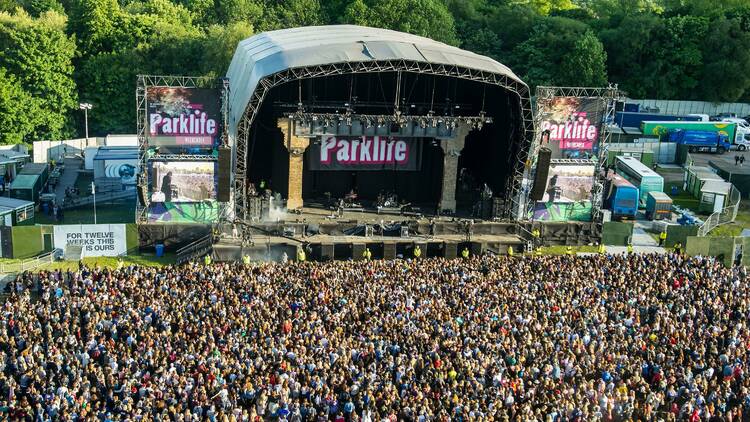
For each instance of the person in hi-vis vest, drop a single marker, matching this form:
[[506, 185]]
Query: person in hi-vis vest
[[366, 254], [417, 251], [465, 253], [301, 255]]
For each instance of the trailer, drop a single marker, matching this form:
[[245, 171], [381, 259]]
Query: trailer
[[700, 141], [657, 128]]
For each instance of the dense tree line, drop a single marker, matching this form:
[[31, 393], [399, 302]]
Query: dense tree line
[[55, 53]]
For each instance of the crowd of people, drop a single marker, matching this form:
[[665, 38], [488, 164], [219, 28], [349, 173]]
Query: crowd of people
[[547, 338]]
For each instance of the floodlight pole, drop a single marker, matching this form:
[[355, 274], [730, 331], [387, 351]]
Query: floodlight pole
[[86, 107], [93, 191]]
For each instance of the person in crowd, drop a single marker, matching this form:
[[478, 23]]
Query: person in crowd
[[166, 186], [530, 338]]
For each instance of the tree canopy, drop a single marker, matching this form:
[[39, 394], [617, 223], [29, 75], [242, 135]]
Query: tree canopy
[[54, 53]]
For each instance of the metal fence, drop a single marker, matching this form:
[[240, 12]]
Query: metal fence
[[725, 216], [196, 249], [692, 107], [29, 264]]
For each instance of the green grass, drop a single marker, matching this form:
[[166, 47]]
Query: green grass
[[735, 228], [683, 198], [147, 260], [562, 250], [105, 214]]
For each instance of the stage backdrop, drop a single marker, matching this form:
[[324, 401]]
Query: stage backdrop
[[183, 117], [96, 239], [366, 153], [574, 125]]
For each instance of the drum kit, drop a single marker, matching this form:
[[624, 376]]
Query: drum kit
[[387, 200]]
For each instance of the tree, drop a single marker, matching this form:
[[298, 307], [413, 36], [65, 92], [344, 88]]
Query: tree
[[585, 65], [94, 22], [107, 80], [8, 6], [545, 7], [513, 25], [37, 7], [292, 13], [229, 11], [726, 57], [428, 18], [38, 54], [219, 46], [631, 59], [561, 51], [473, 29], [18, 111]]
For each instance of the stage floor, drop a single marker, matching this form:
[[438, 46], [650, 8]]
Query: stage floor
[[365, 215]]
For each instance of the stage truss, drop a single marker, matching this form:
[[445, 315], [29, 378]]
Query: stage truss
[[610, 95], [159, 81], [513, 189]]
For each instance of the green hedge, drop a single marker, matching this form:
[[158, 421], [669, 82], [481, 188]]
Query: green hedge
[[27, 241]]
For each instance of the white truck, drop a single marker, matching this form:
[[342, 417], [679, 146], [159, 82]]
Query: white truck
[[740, 141]]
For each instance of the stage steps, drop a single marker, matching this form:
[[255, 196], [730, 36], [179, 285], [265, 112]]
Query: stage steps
[[197, 249]]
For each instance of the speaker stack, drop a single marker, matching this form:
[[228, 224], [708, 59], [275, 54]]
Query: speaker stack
[[225, 175], [542, 172]]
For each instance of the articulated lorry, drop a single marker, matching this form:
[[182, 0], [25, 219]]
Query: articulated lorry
[[700, 141], [732, 131]]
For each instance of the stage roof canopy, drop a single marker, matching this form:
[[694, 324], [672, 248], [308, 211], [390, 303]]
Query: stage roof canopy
[[268, 53]]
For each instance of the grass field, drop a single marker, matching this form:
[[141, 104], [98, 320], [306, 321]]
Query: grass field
[[119, 212], [562, 250], [734, 229], [682, 199], [112, 262], [686, 200]]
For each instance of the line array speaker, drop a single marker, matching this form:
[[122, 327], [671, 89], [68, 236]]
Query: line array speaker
[[225, 172], [143, 195], [542, 171]]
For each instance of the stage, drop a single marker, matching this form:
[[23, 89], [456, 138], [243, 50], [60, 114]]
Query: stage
[[323, 247]]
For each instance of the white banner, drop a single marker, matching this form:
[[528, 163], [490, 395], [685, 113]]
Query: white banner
[[96, 239]]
